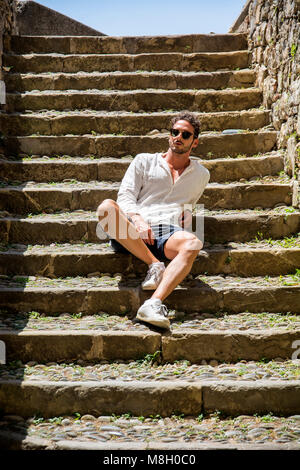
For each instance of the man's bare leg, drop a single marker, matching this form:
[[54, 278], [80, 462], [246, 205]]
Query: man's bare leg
[[182, 248], [117, 224]]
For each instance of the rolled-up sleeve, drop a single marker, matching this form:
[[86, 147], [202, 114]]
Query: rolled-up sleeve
[[131, 185]]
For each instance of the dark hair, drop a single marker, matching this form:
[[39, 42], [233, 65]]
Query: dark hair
[[191, 118]]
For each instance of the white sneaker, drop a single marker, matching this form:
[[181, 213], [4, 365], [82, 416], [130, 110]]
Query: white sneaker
[[154, 276], [154, 312]]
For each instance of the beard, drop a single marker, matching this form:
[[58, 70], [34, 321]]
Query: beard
[[181, 149]]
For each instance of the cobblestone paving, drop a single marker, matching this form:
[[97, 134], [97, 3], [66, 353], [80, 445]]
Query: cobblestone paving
[[288, 242], [73, 183], [148, 368], [89, 158], [282, 209], [103, 321], [213, 428], [105, 279]]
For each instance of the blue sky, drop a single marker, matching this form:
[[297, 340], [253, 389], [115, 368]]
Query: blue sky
[[151, 17]]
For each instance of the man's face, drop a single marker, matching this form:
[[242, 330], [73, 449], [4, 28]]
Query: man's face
[[177, 143]]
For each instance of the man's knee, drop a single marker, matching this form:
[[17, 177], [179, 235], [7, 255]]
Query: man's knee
[[107, 207], [191, 246], [185, 243]]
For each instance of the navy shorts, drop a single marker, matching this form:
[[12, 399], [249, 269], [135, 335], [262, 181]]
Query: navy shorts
[[162, 233]]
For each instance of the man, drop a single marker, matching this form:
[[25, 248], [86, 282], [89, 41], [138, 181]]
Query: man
[[151, 197]]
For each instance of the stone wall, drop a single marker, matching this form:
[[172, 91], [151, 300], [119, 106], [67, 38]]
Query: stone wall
[[7, 26], [273, 28], [50, 22], [7, 16], [20, 17]]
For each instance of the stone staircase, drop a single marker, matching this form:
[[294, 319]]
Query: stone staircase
[[78, 110]]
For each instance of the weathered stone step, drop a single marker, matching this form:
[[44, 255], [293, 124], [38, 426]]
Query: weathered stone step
[[150, 367], [87, 122], [210, 146], [104, 294], [137, 433], [168, 80], [111, 337], [43, 197], [202, 322], [44, 346], [229, 169], [65, 260], [147, 100], [110, 169], [126, 45], [72, 63], [148, 398], [74, 345], [219, 226]]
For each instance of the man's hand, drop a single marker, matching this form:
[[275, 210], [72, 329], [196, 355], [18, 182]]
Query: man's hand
[[143, 229], [185, 219]]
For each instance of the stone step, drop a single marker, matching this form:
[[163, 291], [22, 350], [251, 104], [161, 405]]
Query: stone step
[[211, 145], [149, 367], [101, 291], [24, 397], [101, 169], [272, 258], [43, 197], [72, 63], [168, 80], [92, 344], [230, 169], [126, 45], [87, 122], [138, 433], [134, 101], [92, 295], [79, 345], [219, 226]]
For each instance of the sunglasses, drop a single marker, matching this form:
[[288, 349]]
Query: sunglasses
[[185, 134]]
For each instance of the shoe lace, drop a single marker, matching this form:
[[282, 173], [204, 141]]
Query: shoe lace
[[164, 310], [161, 310], [154, 271]]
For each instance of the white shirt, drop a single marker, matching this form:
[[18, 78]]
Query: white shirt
[[148, 188]]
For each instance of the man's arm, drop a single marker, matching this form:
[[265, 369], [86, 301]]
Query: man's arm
[[143, 228], [128, 196]]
